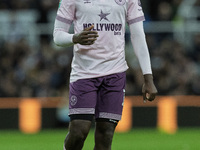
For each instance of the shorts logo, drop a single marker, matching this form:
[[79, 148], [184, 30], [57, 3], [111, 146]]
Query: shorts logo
[[73, 100], [120, 2]]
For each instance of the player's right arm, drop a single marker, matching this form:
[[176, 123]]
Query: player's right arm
[[63, 21]]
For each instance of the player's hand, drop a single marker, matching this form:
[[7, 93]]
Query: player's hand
[[86, 37], [149, 90]]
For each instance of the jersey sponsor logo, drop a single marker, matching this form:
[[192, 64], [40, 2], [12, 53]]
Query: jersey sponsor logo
[[120, 2], [73, 100], [116, 28], [87, 1], [103, 16]]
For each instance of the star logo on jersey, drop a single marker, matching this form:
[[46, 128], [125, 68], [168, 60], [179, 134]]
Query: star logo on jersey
[[103, 15]]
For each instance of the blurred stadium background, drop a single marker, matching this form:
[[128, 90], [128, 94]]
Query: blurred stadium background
[[33, 68]]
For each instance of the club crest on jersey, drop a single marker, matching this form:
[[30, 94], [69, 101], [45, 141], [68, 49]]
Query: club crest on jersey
[[87, 1], [120, 2]]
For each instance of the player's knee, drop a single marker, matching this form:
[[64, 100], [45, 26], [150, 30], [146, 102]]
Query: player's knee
[[75, 139], [79, 131], [78, 134]]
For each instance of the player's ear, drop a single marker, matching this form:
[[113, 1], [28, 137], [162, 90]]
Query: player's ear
[[89, 28]]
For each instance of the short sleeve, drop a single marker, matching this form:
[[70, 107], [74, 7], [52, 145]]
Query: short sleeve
[[134, 12], [66, 11]]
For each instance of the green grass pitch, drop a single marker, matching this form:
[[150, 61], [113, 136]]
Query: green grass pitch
[[136, 139]]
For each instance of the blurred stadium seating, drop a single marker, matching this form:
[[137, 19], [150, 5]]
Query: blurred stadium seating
[[32, 66]]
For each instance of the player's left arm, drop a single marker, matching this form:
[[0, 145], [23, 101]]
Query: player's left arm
[[141, 50]]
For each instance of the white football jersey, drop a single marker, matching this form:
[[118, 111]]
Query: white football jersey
[[107, 55]]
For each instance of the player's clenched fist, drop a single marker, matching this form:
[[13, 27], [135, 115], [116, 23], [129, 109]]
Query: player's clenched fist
[[86, 37], [149, 90]]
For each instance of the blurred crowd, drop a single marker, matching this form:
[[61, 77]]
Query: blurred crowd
[[28, 71]]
